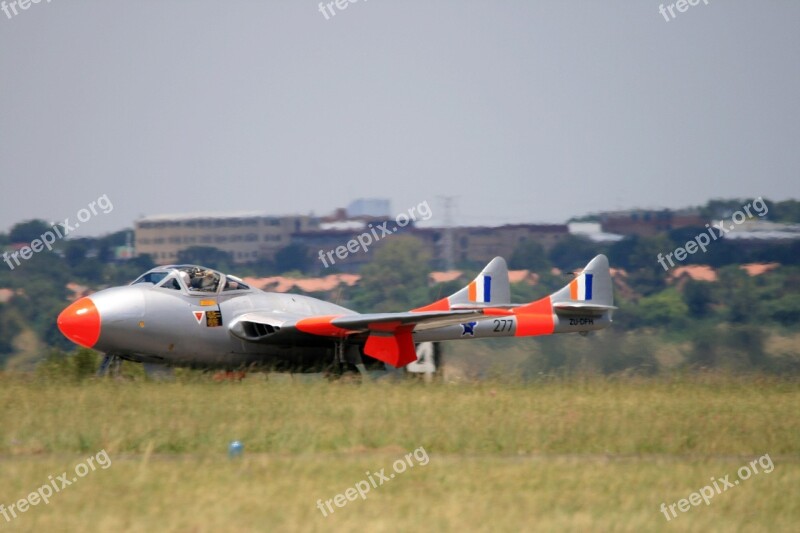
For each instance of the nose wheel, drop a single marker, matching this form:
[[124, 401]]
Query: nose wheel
[[111, 365]]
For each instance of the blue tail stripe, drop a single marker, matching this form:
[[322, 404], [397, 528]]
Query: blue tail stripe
[[588, 286], [487, 288]]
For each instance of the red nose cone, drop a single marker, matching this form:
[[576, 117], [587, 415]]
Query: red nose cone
[[80, 322]]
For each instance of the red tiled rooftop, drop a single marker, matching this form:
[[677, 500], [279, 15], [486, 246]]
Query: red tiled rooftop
[[695, 272], [78, 291], [756, 269], [284, 284], [444, 277], [523, 276], [618, 272]]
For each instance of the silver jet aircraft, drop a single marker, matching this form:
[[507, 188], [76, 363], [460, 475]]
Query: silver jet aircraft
[[187, 315]]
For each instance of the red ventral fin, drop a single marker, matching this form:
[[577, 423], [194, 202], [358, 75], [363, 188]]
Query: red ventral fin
[[321, 325], [391, 343]]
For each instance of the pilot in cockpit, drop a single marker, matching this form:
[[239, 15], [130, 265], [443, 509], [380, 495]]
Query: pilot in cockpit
[[205, 281]]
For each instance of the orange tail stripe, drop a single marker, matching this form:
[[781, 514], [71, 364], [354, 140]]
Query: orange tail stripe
[[472, 292], [573, 289]]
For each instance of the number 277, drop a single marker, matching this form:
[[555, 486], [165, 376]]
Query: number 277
[[503, 324]]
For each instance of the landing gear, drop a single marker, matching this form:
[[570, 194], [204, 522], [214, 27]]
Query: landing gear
[[111, 365], [346, 357]]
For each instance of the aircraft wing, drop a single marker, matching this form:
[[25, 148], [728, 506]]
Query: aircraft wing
[[420, 321], [389, 335]]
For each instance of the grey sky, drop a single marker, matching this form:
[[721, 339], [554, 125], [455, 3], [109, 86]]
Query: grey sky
[[526, 111]]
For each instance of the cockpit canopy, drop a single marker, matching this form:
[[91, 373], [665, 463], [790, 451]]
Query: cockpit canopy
[[191, 279]]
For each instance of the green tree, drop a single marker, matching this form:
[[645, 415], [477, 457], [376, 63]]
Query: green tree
[[123, 272], [664, 308], [698, 297], [529, 255], [8, 330], [739, 295], [573, 252], [645, 271], [106, 245], [722, 208], [28, 231], [785, 211], [292, 257], [786, 309], [397, 278], [76, 251]]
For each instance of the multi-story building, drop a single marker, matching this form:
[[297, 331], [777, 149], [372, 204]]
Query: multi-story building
[[476, 245], [245, 236], [479, 245], [248, 237], [646, 223], [370, 207]]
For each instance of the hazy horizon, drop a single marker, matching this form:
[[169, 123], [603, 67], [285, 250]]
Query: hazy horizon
[[524, 112]]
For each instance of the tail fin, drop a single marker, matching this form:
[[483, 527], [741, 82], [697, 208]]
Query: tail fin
[[586, 304], [591, 290], [489, 289]]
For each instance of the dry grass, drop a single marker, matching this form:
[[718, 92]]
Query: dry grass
[[564, 456]]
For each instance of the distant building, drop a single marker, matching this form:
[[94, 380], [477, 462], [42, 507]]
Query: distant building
[[760, 230], [647, 223], [370, 207], [248, 237], [245, 236], [332, 235], [480, 245], [477, 245], [592, 231]]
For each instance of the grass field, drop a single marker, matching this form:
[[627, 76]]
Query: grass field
[[573, 455]]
